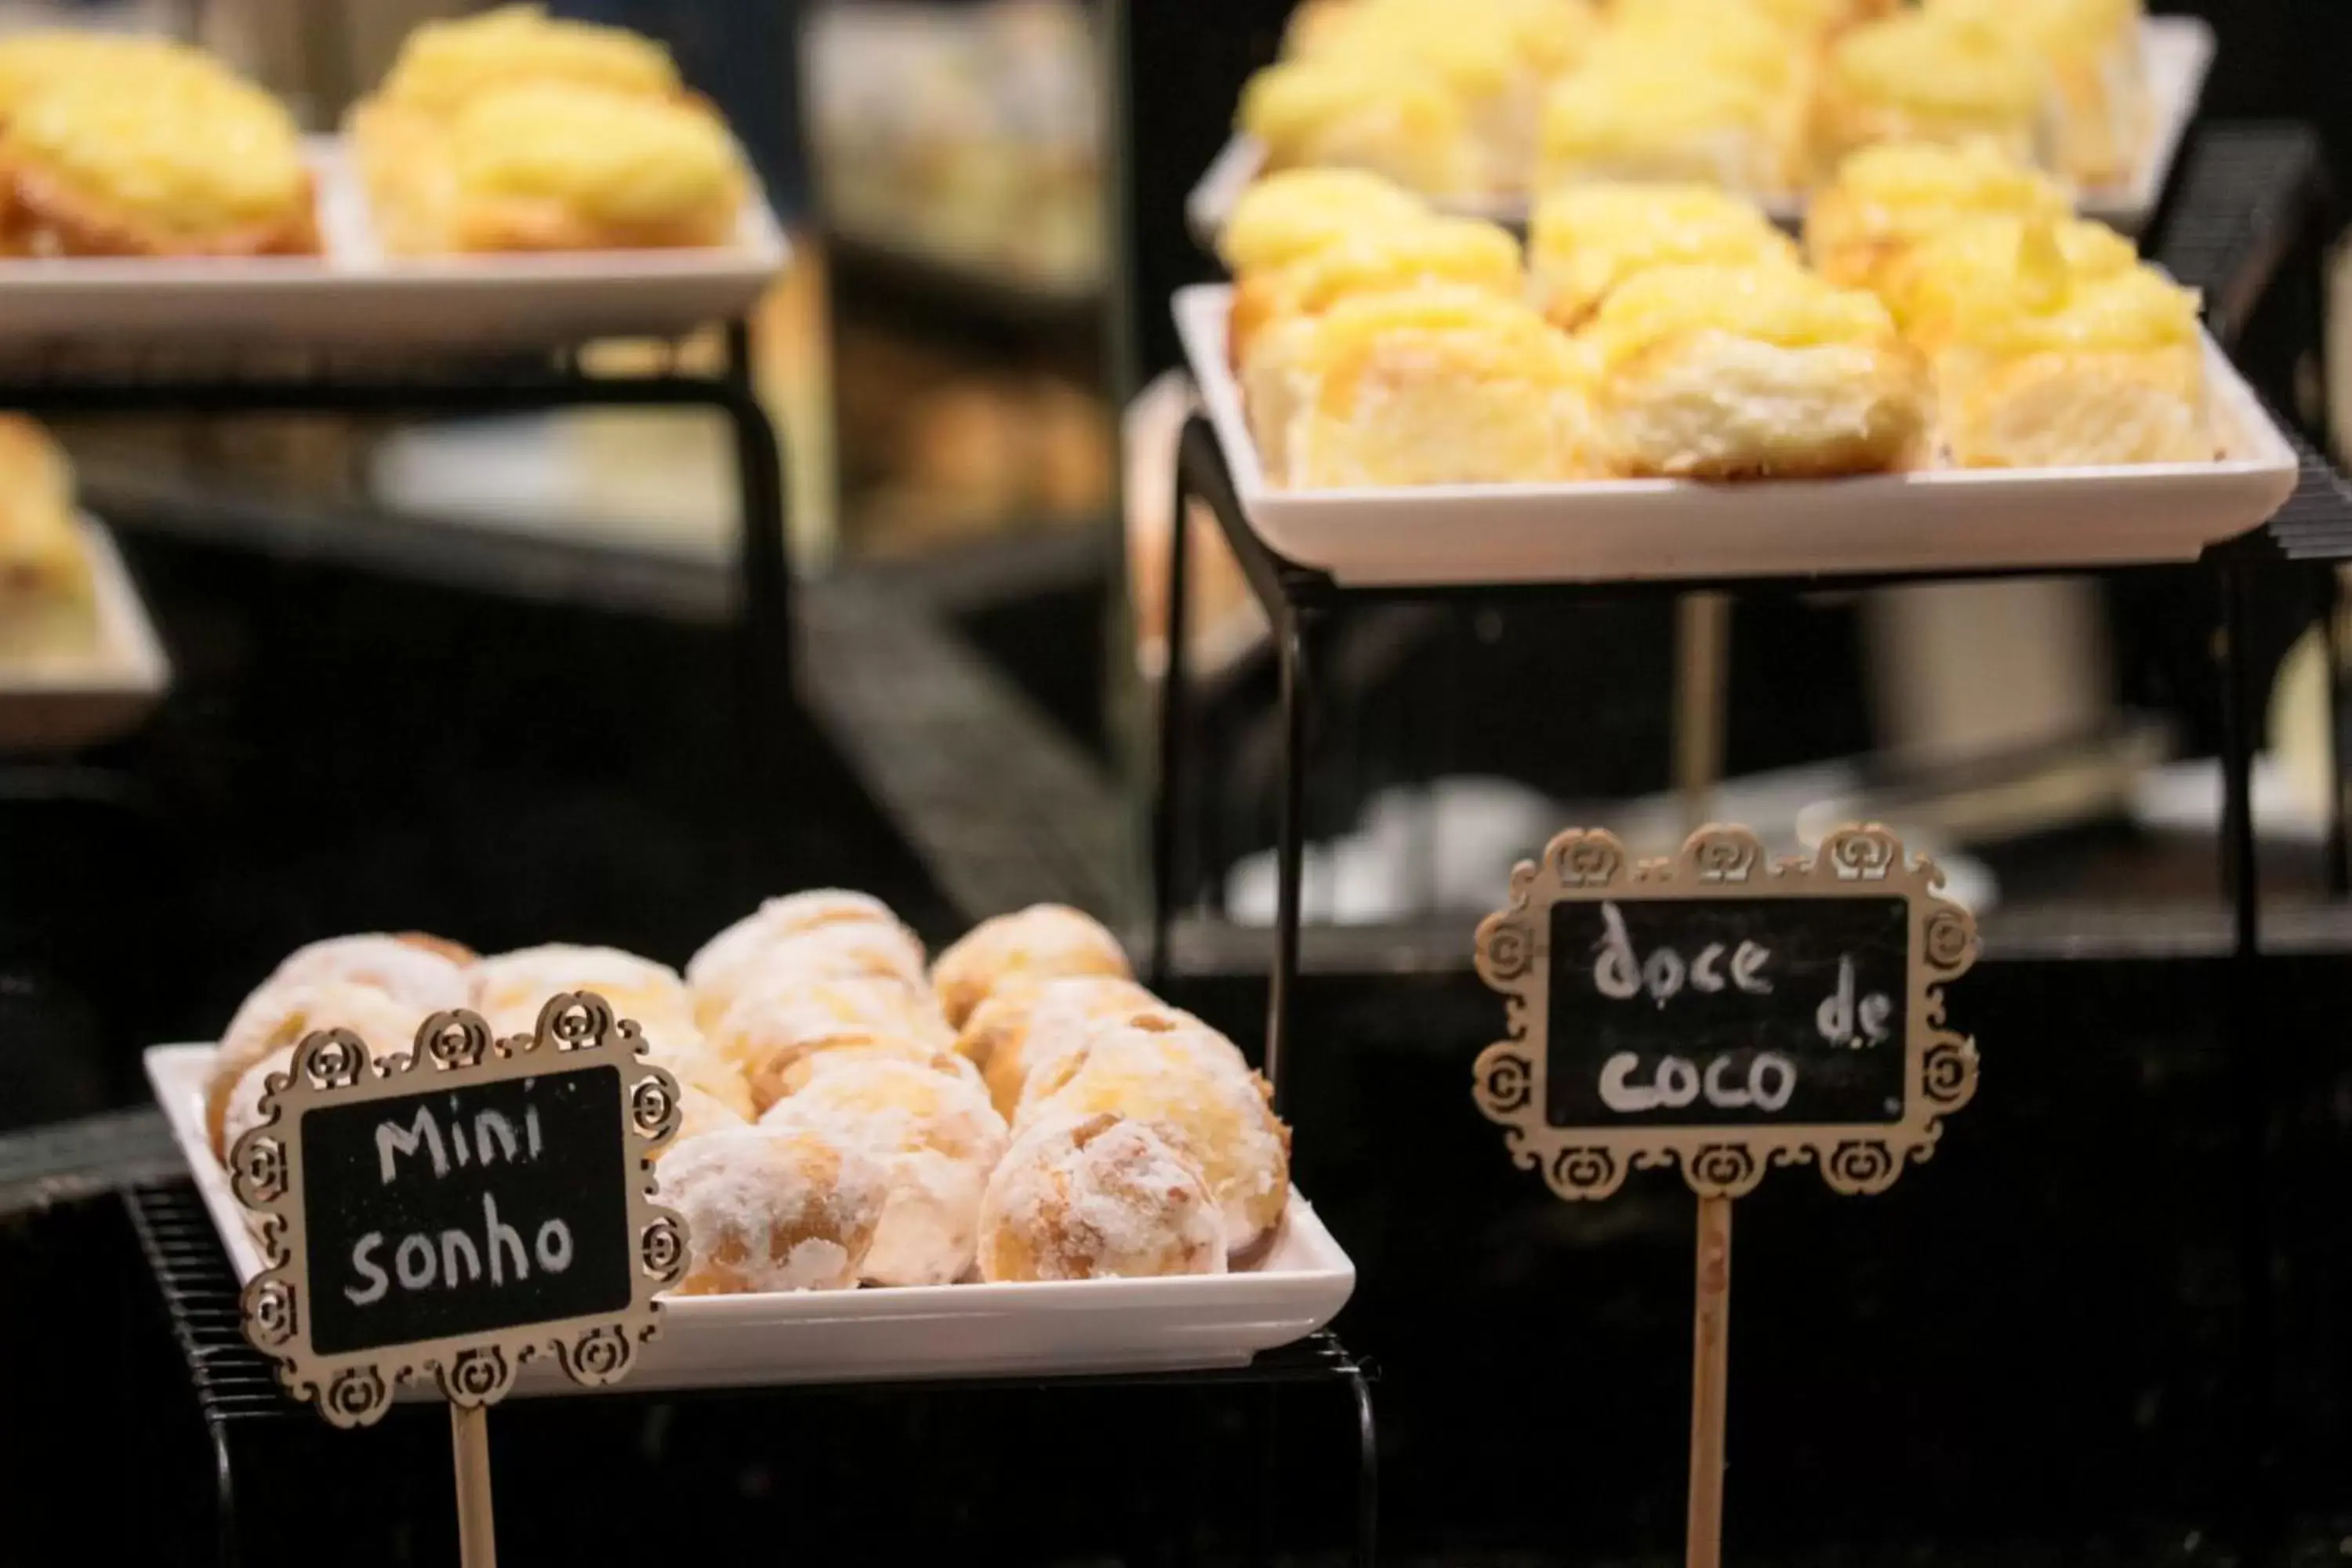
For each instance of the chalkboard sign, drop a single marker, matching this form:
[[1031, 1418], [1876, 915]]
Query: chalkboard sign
[[458, 1207], [1726, 1011]]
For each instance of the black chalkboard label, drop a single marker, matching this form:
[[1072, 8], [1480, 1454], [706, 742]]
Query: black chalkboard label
[[1729, 1011], [467, 1210]]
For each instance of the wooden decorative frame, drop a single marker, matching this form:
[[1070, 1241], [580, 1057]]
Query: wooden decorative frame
[[1721, 862], [334, 1067]]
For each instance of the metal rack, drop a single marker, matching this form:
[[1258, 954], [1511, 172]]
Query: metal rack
[[241, 1405], [159, 380]]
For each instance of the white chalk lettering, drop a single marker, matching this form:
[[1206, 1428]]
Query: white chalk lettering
[[455, 1245], [501, 1237], [390, 1140], [552, 1246], [418, 1275], [1615, 975], [1675, 1082], [1747, 969], [1663, 974], [485, 1124], [361, 1264], [1845, 1023], [1705, 976], [531, 1122]]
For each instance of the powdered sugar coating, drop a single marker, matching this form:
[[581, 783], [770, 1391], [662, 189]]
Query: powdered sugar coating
[[734, 961], [772, 1209], [796, 1075], [699, 1114], [1027, 1023], [277, 1016], [696, 1066], [770, 1029], [1097, 1197], [1044, 940], [937, 1135], [511, 988], [406, 969], [1176, 1079]]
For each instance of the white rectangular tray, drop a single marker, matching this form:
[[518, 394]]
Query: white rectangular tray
[[921, 1332], [1668, 529], [65, 702], [353, 294], [2180, 52]]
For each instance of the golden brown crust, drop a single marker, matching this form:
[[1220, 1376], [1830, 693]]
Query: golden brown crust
[[454, 952], [44, 214]]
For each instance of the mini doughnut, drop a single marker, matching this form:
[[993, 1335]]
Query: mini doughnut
[[769, 1028], [1183, 1079], [1097, 1197], [794, 1075], [1028, 1022], [511, 988], [699, 1114], [243, 1112], [772, 1209], [685, 1058], [934, 1132], [730, 963], [276, 1018], [1178, 1038], [1044, 940], [418, 971]]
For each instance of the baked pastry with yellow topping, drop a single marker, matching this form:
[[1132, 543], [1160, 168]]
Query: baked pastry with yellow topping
[[148, 151], [1287, 216], [1437, 385], [1271, 329], [2098, 77], [1493, 57], [1930, 77], [1356, 112], [445, 65], [1724, 372], [555, 165], [2038, 364], [1585, 241], [1660, 116], [1887, 198], [46, 600], [1932, 282]]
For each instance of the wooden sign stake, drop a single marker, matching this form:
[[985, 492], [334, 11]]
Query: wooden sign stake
[[469, 1439], [505, 1186], [1726, 1012], [1711, 1383]]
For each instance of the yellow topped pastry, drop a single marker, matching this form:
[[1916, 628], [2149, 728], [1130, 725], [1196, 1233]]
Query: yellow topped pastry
[[2042, 302], [1291, 212], [45, 578], [1731, 36], [181, 151], [1806, 19], [444, 63], [1545, 36], [30, 61], [1937, 281], [1651, 116], [1959, 70], [636, 164], [1374, 112], [2053, 26], [1897, 194], [1783, 306], [1434, 385], [1431, 249], [1584, 240]]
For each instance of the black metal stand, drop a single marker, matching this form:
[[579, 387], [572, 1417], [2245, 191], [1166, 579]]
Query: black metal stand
[[237, 1392], [298, 380]]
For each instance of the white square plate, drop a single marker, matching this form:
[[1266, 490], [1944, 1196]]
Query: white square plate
[[917, 1331], [1952, 520], [353, 294], [2179, 53], [64, 702]]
